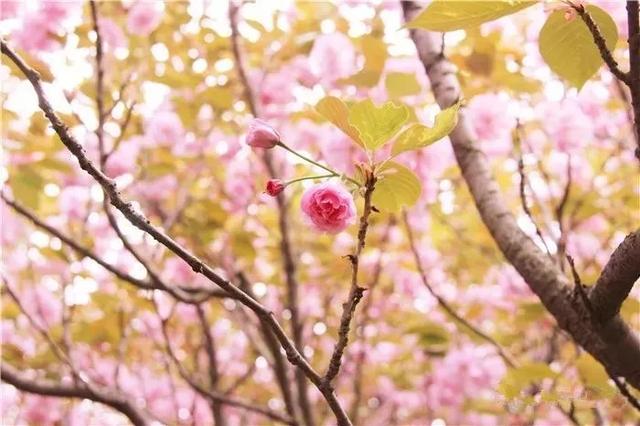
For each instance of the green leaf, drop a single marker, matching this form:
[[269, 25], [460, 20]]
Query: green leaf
[[27, 186], [568, 47], [334, 110], [432, 336], [376, 125], [375, 55], [396, 186], [517, 379], [594, 376], [448, 15], [401, 84], [418, 135]]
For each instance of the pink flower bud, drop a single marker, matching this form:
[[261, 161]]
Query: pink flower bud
[[329, 207], [274, 187], [262, 135]]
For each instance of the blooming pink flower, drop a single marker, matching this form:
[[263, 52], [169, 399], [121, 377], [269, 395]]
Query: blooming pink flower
[[492, 121], [9, 9], [274, 187], [332, 57], [165, 128], [111, 34], [144, 17], [42, 410], [567, 125], [329, 207], [34, 35], [262, 135], [73, 201]]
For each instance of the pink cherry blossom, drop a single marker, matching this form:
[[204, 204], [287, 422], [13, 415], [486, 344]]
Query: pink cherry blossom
[[568, 127], [41, 410], [10, 9], [73, 201], [34, 35], [492, 121], [332, 57], [329, 207], [144, 17], [165, 128], [112, 34]]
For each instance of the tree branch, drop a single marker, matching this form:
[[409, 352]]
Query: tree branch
[[612, 343], [355, 292], [279, 365], [288, 263], [600, 42], [445, 305], [46, 387], [216, 407], [84, 251], [210, 394], [633, 22], [140, 221], [617, 278]]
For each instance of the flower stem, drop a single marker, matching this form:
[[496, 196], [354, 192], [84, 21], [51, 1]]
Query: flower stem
[[309, 177], [308, 160]]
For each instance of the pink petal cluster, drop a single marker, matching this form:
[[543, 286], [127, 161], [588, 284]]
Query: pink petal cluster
[[39, 28], [329, 207], [144, 17], [332, 57], [492, 122], [165, 128]]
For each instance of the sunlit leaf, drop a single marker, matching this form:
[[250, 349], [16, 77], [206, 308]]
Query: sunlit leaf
[[568, 47], [401, 84], [519, 378], [334, 110], [376, 125], [451, 15], [397, 186], [594, 375], [418, 135]]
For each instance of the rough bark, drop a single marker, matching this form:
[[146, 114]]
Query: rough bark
[[612, 343], [617, 278]]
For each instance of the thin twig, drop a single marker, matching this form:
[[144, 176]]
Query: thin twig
[[214, 376], [624, 390], [206, 393], [559, 211], [362, 324], [578, 285], [508, 359], [288, 262], [355, 292], [633, 25], [523, 182], [205, 292], [600, 42], [279, 366]]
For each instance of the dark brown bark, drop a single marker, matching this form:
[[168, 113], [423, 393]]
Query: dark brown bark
[[617, 278]]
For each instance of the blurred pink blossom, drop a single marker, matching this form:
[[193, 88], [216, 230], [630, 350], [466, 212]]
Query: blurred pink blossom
[[332, 57], [144, 17], [164, 128], [492, 120]]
